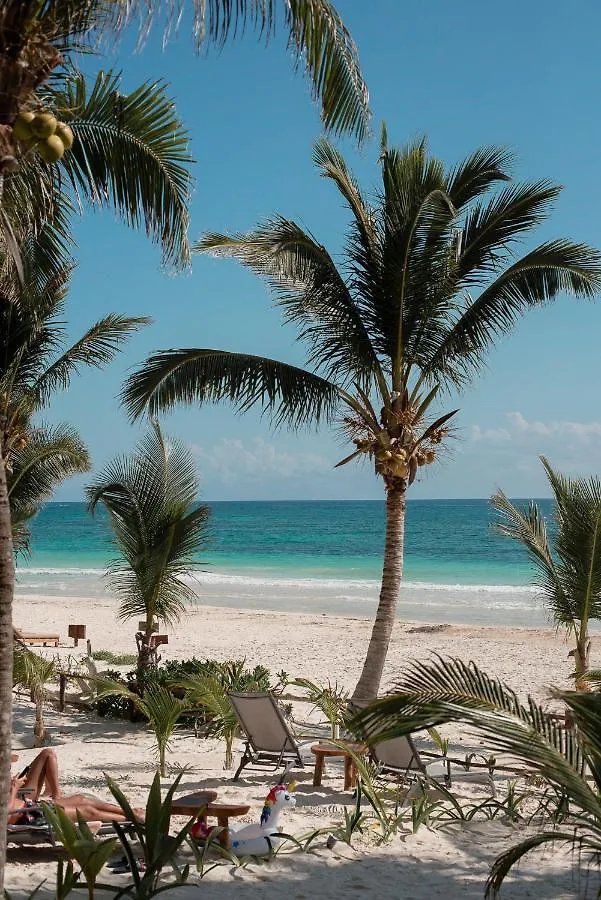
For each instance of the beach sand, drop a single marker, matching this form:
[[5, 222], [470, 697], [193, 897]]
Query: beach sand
[[431, 863]]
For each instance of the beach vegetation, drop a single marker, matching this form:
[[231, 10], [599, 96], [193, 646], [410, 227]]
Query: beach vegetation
[[430, 277], [36, 364], [209, 693], [566, 557], [158, 526], [568, 760], [159, 706], [33, 673], [117, 659], [331, 699]]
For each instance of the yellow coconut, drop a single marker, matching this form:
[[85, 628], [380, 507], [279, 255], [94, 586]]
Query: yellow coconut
[[22, 126], [44, 125], [65, 134], [51, 149]]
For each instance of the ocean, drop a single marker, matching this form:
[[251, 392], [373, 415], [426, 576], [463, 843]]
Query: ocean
[[318, 557]]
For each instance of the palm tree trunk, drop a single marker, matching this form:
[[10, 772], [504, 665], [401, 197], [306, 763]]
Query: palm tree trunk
[[369, 683], [6, 660], [581, 657]]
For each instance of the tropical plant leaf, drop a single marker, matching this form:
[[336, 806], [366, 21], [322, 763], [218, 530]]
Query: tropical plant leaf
[[158, 526], [288, 394]]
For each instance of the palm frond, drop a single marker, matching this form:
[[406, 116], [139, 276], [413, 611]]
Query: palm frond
[[51, 455], [311, 292], [130, 152], [552, 268], [158, 526], [430, 694], [98, 346], [286, 393], [477, 174]]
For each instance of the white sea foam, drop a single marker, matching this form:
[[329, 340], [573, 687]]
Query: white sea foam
[[308, 583]]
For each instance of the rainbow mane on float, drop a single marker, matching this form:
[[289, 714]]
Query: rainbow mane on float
[[270, 799]]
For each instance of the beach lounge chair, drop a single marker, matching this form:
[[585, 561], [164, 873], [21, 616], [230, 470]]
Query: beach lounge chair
[[269, 741], [400, 758]]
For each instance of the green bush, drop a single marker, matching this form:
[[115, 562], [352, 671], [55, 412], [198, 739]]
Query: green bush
[[170, 675]]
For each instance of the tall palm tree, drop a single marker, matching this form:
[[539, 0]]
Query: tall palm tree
[[428, 280], [38, 38], [37, 204], [567, 561], [34, 365], [158, 526], [449, 690]]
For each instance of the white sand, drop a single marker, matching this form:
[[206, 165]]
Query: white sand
[[431, 863]]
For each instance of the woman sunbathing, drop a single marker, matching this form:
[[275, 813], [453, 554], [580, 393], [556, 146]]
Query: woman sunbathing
[[40, 780]]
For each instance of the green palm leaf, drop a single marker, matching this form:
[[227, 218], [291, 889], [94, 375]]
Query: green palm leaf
[[567, 563], [98, 346], [51, 455], [158, 526], [287, 393], [130, 151]]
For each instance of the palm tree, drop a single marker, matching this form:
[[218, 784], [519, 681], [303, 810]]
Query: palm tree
[[37, 40], [34, 366], [144, 177], [33, 672], [158, 527], [428, 280], [567, 562], [449, 690]]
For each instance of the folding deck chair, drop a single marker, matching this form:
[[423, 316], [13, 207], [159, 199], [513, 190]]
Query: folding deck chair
[[401, 758], [269, 742]]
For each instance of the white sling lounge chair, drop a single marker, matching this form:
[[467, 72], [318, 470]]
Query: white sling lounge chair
[[401, 758], [269, 742]]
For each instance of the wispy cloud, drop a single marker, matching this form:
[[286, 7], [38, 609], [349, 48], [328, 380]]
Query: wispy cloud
[[518, 426], [231, 461]]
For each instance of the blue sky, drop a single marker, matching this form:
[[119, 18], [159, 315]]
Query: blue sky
[[524, 75]]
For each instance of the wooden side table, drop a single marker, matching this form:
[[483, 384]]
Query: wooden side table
[[202, 805], [322, 751]]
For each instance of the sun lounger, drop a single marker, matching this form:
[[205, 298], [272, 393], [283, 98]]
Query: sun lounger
[[38, 640], [401, 758], [269, 742]]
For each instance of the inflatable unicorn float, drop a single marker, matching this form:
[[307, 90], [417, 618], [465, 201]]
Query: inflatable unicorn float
[[261, 839]]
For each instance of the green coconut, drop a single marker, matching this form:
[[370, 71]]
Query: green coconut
[[51, 149], [44, 125], [65, 134], [22, 126]]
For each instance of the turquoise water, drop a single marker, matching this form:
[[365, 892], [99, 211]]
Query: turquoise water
[[308, 556], [447, 541]]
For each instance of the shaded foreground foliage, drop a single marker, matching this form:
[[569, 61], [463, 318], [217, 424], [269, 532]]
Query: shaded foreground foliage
[[449, 690]]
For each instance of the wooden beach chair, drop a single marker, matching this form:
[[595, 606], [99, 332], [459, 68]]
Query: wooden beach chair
[[269, 742]]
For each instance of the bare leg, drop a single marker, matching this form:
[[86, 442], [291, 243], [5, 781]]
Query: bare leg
[[95, 809], [43, 776]]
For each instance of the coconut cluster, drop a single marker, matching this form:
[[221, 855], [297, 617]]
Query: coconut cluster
[[43, 133], [400, 455]]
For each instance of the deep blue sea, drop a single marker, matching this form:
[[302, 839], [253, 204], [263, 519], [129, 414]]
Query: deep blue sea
[[314, 556]]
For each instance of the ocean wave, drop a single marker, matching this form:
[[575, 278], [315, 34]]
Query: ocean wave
[[299, 582], [221, 578], [75, 572]]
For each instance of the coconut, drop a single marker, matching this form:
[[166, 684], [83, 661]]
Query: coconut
[[22, 126], [44, 125], [65, 134], [51, 149]]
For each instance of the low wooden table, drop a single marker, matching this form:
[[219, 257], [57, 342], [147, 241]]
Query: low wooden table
[[322, 751], [202, 804]]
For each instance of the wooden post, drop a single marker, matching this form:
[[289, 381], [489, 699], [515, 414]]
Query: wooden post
[[62, 684]]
